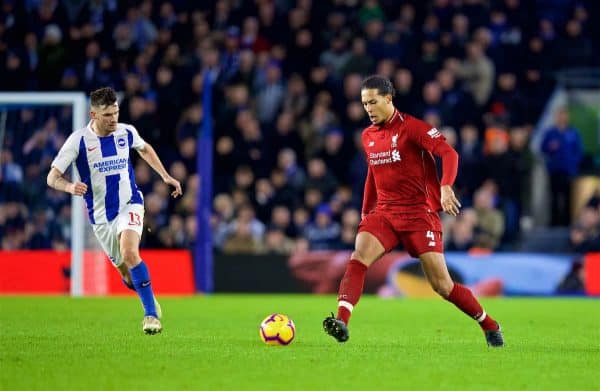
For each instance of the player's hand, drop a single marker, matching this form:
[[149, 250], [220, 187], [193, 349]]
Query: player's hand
[[450, 203], [77, 188], [169, 180]]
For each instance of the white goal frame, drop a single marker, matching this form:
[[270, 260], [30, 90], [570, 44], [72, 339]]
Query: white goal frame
[[78, 101]]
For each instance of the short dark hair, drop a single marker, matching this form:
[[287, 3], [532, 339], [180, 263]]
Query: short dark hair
[[104, 96], [380, 83]]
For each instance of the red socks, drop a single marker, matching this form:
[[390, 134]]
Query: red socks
[[467, 303], [351, 288]]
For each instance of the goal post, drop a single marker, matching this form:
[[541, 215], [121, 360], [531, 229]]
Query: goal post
[[78, 102]]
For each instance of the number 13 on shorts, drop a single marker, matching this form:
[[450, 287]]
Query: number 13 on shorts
[[135, 219]]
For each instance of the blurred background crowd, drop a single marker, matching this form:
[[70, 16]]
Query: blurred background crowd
[[289, 169]]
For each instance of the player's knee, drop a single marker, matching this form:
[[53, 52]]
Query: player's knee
[[362, 257], [442, 287], [130, 257]]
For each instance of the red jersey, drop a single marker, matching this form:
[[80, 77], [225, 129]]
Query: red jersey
[[402, 175]]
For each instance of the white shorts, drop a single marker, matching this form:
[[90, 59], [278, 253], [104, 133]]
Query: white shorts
[[130, 217]]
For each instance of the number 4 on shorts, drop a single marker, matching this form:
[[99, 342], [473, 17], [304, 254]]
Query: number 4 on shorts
[[430, 235]]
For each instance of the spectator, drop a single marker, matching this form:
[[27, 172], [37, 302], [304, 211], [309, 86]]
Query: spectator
[[320, 177], [428, 63], [576, 48], [284, 193], [507, 102], [501, 167], [459, 104], [336, 57], [270, 96], [10, 172], [53, 57], [276, 242], [490, 222], [471, 155], [333, 156], [323, 233], [241, 240], [296, 98], [301, 219], [432, 102], [264, 198], [477, 72], [349, 228], [585, 233], [563, 150], [221, 218], [281, 219], [294, 174], [285, 135], [358, 62], [462, 234], [523, 161], [246, 216], [405, 92]]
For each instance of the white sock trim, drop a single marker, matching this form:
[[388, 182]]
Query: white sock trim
[[346, 305], [482, 317]]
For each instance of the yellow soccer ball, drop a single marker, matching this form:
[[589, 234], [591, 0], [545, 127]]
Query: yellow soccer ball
[[277, 329]]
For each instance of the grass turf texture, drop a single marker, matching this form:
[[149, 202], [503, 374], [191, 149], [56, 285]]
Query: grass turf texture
[[212, 343]]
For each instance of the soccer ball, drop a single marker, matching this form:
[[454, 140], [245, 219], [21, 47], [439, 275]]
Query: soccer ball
[[277, 329]]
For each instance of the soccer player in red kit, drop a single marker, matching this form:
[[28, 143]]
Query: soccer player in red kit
[[402, 199]]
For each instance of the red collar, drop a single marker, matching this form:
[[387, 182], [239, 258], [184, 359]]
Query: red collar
[[394, 119]]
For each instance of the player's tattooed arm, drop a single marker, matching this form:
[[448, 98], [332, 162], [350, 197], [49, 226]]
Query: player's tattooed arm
[[56, 181]]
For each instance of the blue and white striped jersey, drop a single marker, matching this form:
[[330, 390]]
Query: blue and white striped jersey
[[104, 165]]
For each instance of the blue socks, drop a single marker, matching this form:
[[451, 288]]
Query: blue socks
[[141, 281]]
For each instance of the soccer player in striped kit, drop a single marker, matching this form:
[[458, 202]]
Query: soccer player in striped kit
[[114, 203], [402, 198]]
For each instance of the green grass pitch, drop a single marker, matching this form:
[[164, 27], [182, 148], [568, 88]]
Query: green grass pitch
[[212, 343]]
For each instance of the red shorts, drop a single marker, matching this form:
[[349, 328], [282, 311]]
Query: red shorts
[[418, 233]]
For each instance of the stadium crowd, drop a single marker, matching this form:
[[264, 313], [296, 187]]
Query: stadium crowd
[[289, 170]]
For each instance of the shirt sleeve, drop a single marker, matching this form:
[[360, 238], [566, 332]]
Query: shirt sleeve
[[449, 163], [432, 140], [138, 142], [426, 136], [68, 153]]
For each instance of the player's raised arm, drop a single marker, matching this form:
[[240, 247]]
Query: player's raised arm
[[150, 156], [56, 181]]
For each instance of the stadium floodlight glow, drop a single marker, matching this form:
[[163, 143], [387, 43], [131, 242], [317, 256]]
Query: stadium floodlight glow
[[78, 102]]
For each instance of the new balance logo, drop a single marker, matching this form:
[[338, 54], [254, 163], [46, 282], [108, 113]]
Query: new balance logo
[[371, 143], [434, 133], [432, 244], [396, 156]]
